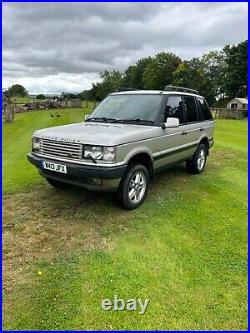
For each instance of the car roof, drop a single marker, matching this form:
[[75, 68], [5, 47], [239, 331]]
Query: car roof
[[153, 92]]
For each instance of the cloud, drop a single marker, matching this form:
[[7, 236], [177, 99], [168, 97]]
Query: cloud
[[64, 46]]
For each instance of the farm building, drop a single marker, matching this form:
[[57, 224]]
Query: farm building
[[238, 104]]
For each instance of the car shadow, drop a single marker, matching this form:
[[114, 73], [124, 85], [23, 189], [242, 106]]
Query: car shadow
[[110, 199]]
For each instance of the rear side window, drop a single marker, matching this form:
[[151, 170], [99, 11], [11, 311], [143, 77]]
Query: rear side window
[[204, 109], [174, 108], [191, 109]]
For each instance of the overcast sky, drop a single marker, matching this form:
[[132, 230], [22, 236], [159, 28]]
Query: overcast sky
[[55, 47]]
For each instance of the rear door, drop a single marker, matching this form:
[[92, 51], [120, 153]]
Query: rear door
[[192, 131], [207, 121]]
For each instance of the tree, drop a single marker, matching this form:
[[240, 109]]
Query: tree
[[218, 75], [68, 95], [17, 90], [159, 71], [93, 92], [190, 74], [213, 64], [133, 76], [41, 96], [236, 71], [111, 81], [129, 77]]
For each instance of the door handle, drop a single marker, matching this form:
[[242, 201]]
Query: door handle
[[184, 133], [202, 129]]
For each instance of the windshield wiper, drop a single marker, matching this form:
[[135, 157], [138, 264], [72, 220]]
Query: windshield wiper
[[101, 119], [137, 120], [113, 120]]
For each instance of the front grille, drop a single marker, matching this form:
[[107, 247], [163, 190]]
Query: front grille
[[69, 150]]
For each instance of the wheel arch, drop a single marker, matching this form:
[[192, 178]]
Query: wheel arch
[[204, 140], [144, 158]]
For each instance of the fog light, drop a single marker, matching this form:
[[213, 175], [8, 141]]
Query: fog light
[[95, 181]]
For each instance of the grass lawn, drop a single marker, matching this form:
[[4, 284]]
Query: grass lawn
[[185, 249]]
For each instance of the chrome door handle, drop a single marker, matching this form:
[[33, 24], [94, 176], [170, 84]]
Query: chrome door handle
[[184, 133], [202, 129]]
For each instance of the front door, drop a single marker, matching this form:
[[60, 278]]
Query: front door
[[171, 143]]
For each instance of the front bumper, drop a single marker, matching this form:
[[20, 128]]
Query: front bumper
[[91, 177]]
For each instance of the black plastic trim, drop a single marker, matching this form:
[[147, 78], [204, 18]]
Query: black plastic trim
[[79, 170]]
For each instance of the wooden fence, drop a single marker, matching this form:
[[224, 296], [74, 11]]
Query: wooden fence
[[222, 113]]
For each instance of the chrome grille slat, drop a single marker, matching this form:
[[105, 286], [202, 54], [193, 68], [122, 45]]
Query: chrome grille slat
[[61, 148], [57, 144], [59, 151], [69, 150], [59, 154]]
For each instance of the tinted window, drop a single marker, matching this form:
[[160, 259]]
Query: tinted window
[[174, 108], [128, 106], [204, 109], [191, 111]]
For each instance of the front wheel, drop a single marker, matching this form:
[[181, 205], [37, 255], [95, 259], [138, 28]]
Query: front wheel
[[134, 187], [198, 161]]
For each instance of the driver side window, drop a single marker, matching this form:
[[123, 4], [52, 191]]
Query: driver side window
[[174, 108]]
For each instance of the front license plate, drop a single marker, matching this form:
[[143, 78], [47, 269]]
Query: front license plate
[[55, 167]]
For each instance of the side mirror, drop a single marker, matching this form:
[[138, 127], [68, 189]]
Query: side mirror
[[171, 123], [86, 117]]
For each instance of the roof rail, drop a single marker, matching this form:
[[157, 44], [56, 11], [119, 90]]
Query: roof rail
[[182, 89]]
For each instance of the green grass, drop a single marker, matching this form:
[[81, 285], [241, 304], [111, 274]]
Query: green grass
[[18, 175], [185, 248], [23, 100]]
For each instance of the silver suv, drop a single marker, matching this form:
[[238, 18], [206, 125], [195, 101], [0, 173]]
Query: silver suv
[[130, 136]]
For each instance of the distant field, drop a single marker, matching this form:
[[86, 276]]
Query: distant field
[[23, 100], [185, 248]]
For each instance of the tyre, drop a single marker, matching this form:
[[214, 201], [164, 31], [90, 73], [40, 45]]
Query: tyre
[[134, 187], [56, 183], [198, 161]]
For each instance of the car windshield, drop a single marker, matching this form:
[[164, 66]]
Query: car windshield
[[128, 108]]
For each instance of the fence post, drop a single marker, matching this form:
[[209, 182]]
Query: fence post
[[9, 112]]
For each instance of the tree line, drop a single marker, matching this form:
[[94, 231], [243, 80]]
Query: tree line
[[217, 75]]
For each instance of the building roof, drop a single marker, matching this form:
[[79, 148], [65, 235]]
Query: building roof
[[242, 100]]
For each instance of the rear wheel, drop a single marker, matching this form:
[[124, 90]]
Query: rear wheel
[[134, 187], [56, 183], [198, 161]]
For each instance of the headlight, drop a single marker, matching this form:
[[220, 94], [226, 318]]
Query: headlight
[[35, 144], [100, 153], [94, 152], [109, 154]]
